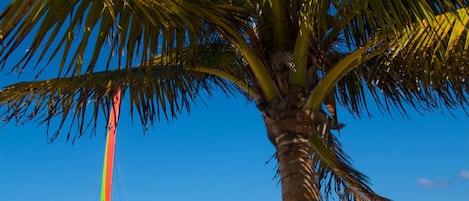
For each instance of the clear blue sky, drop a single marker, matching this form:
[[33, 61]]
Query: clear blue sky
[[219, 152]]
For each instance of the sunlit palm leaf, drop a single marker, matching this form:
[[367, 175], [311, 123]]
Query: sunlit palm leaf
[[411, 69], [372, 17], [430, 43], [344, 66], [425, 67]]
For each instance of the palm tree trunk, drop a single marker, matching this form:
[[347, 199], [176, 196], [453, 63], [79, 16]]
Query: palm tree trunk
[[298, 180], [296, 168]]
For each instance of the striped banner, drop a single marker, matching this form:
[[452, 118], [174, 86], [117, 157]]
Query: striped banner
[[110, 146]]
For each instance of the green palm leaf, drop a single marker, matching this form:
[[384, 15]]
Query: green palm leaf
[[408, 67], [146, 28], [336, 172], [160, 92]]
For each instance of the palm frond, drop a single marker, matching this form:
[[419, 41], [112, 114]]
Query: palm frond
[[134, 31], [76, 29], [407, 76], [366, 20], [425, 67], [337, 72], [336, 173], [162, 92]]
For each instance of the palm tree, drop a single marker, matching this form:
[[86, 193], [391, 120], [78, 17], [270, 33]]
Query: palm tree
[[295, 59]]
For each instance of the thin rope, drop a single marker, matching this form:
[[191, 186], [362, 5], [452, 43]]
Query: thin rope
[[121, 180]]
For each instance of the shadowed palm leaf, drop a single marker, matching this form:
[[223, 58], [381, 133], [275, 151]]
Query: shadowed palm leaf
[[155, 91]]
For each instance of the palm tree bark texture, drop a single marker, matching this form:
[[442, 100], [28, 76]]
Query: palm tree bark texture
[[290, 129], [292, 142]]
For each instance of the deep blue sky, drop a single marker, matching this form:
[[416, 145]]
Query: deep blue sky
[[219, 152]]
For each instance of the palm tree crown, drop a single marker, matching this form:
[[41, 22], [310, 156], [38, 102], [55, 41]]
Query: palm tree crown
[[296, 59]]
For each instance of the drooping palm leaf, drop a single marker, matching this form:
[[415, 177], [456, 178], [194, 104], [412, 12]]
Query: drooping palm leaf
[[449, 89], [337, 174], [162, 92], [426, 67], [130, 28], [409, 66], [154, 91]]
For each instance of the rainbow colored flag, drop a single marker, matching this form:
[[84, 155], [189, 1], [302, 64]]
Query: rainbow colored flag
[[110, 147]]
